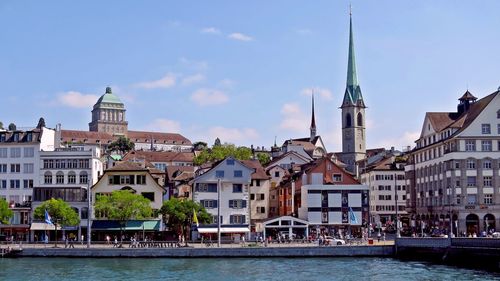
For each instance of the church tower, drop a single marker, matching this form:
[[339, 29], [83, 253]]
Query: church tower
[[108, 115], [353, 114], [312, 129]]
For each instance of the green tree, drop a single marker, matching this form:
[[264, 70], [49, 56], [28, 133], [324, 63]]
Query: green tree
[[12, 127], [123, 205], [122, 144], [1, 125], [200, 145], [263, 158], [5, 212], [179, 214], [219, 152], [61, 213]]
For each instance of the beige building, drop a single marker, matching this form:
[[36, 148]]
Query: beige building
[[259, 195]]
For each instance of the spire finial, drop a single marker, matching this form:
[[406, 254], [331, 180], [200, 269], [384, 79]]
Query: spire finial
[[350, 9]]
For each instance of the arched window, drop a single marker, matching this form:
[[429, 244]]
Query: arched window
[[47, 178], [84, 178], [348, 122], [71, 177], [60, 177], [360, 119]]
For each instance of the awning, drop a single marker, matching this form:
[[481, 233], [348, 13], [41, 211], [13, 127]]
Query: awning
[[43, 226], [223, 229], [132, 225]]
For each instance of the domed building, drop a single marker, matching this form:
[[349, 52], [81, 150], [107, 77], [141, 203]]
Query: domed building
[[108, 115]]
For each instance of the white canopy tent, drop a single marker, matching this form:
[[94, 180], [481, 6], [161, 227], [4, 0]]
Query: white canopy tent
[[286, 223]]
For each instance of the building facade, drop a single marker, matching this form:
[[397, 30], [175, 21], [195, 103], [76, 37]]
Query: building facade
[[108, 115], [19, 169], [454, 171], [259, 195], [232, 179]]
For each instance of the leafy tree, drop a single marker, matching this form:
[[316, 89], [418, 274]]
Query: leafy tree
[[263, 158], [217, 142], [123, 205], [1, 125], [61, 213], [12, 127], [179, 214], [122, 144], [219, 152], [5, 212], [200, 145]]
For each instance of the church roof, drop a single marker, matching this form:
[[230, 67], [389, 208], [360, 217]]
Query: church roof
[[352, 95]]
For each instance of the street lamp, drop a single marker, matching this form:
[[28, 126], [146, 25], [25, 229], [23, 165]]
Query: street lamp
[[398, 234], [89, 211], [219, 186]]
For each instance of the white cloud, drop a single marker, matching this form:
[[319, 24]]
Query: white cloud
[[321, 92], [164, 125], [210, 30], [227, 83], [240, 37], [233, 135], [77, 99], [207, 97], [193, 79], [294, 119], [166, 81]]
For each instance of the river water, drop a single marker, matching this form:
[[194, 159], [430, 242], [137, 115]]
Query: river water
[[358, 269]]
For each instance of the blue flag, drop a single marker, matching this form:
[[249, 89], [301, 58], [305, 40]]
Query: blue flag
[[48, 219], [352, 216]]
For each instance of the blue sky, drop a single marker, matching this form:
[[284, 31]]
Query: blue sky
[[241, 70]]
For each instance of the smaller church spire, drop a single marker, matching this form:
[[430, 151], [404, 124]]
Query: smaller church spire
[[313, 120]]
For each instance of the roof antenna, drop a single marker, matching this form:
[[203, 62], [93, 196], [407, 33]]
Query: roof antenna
[[350, 9]]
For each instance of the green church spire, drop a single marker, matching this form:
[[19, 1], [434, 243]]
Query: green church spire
[[352, 94]]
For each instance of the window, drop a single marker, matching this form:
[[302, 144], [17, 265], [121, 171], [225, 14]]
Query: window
[[487, 181], [381, 197], [15, 183], [237, 204], [3, 168], [486, 129], [238, 173], [3, 184], [230, 162], [149, 195], [3, 152], [28, 183], [47, 178], [72, 177], [471, 164], [29, 152], [141, 179], [488, 199], [252, 196], [487, 164], [28, 168], [84, 178], [237, 188], [486, 145], [126, 179], [471, 181], [59, 177], [15, 168], [276, 174], [457, 165], [219, 174], [209, 204], [237, 219], [261, 210], [206, 187], [337, 177], [498, 128], [471, 199], [458, 199], [388, 197], [470, 145], [260, 196], [15, 152]]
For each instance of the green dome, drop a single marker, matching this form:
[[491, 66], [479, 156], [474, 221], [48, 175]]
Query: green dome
[[109, 97]]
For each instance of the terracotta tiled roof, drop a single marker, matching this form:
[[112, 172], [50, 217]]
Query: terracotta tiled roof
[[127, 166], [169, 138], [85, 136], [476, 109], [440, 120], [260, 173], [160, 156], [171, 170]]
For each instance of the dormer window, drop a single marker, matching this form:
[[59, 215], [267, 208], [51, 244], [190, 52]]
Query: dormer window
[[486, 129], [29, 137], [16, 137], [2, 137]]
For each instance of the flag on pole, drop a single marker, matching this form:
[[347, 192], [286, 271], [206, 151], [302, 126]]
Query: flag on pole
[[195, 219], [352, 216], [48, 219]]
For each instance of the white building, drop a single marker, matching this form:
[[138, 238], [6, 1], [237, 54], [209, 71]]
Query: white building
[[19, 167], [454, 171], [386, 179], [235, 179], [67, 174]]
